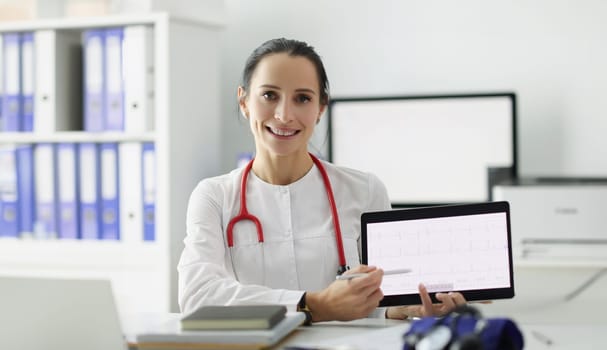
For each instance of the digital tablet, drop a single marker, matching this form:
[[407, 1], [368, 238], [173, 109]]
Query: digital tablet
[[464, 248]]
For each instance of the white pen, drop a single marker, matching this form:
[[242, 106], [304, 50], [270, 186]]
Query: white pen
[[361, 274], [541, 337]]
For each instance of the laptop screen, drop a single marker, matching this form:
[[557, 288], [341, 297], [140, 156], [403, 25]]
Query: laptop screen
[[462, 248], [57, 313]]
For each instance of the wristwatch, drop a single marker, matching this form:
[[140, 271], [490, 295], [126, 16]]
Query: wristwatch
[[302, 306]]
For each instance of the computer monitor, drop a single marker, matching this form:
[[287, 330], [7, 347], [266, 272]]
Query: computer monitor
[[427, 149]]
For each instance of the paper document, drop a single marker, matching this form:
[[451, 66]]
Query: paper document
[[376, 339], [171, 333]]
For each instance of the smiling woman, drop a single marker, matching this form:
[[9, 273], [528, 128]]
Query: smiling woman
[[279, 230], [282, 104]]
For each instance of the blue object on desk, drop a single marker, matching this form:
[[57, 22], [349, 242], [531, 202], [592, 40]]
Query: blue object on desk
[[464, 328]]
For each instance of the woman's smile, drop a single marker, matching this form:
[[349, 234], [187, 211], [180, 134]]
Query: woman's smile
[[282, 132]]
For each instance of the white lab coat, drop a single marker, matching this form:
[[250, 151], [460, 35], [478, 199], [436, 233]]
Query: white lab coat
[[299, 251]]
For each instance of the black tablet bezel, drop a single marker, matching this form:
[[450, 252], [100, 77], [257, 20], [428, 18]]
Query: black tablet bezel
[[437, 212]]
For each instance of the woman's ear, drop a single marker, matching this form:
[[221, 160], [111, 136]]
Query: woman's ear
[[322, 110], [245, 114], [242, 102]]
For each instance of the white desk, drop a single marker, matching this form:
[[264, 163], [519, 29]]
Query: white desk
[[303, 336], [537, 337], [367, 334], [376, 334]]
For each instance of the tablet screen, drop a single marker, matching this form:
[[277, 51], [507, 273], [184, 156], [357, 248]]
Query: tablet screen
[[463, 248]]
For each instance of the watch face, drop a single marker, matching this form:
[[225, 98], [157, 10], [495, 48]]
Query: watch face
[[302, 306], [302, 303]]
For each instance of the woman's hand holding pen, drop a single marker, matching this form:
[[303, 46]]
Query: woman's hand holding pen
[[448, 302], [345, 300]]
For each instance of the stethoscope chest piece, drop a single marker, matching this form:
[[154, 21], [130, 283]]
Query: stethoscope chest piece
[[437, 339]]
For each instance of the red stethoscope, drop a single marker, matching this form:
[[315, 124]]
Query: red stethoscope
[[245, 215]]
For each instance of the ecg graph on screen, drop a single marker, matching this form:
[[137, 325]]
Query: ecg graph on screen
[[450, 253]]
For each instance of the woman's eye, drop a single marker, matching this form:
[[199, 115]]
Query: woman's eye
[[303, 98], [269, 95]]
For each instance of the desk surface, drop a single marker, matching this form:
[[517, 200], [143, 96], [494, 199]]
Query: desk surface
[[366, 333], [375, 334], [537, 337], [134, 324]]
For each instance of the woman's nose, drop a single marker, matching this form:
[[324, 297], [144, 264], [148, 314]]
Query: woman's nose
[[283, 112]]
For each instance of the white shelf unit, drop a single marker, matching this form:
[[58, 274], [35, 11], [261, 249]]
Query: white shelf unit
[[186, 137]]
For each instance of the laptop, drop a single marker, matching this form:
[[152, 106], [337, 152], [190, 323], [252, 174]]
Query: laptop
[[58, 314], [465, 248]]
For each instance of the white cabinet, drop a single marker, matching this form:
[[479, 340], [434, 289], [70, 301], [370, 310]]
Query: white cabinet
[[186, 138]]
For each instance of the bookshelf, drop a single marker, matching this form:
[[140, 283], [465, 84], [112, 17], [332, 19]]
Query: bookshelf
[[186, 138]]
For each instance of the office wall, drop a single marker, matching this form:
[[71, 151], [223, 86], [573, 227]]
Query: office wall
[[552, 53]]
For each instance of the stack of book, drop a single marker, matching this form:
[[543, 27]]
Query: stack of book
[[234, 317], [225, 327]]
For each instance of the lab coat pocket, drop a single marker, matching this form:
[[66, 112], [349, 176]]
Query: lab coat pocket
[[247, 254]]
